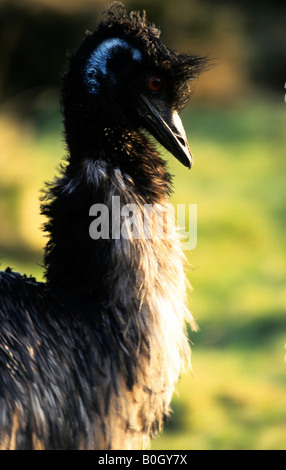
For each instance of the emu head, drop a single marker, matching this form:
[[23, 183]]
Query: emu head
[[123, 76]]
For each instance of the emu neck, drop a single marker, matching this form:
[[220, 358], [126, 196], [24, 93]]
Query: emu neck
[[127, 167], [133, 289]]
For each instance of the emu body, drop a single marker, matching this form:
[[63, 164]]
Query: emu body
[[89, 359]]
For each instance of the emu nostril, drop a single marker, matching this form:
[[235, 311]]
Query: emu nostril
[[181, 140]]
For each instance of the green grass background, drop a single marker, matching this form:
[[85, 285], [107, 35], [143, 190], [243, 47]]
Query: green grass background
[[235, 396]]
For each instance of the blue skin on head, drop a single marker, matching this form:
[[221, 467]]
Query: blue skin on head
[[97, 63]]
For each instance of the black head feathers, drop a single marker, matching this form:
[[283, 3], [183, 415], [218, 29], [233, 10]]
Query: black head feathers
[[134, 29], [121, 74]]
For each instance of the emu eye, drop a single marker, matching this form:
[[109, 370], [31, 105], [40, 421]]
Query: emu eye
[[154, 83]]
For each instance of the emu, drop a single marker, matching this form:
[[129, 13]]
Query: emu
[[90, 358]]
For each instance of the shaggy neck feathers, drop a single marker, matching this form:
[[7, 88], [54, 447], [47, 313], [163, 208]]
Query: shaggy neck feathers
[[74, 261], [137, 287]]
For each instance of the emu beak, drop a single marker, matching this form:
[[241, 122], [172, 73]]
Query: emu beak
[[166, 126]]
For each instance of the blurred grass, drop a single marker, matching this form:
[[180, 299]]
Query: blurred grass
[[235, 397]]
